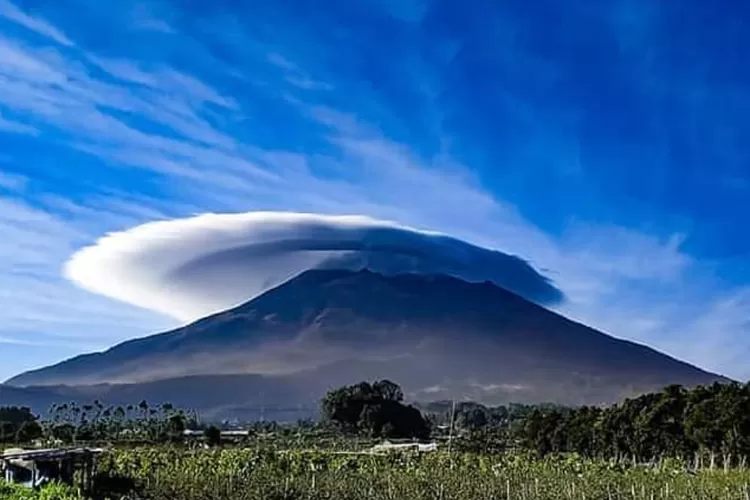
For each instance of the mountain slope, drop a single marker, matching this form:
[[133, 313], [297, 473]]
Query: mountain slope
[[437, 335], [215, 397]]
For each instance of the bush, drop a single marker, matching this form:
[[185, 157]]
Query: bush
[[49, 492]]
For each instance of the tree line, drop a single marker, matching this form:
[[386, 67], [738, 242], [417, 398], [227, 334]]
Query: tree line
[[72, 422], [707, 423], [710, 424]]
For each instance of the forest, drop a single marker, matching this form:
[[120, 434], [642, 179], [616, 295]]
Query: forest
[[701, 423]]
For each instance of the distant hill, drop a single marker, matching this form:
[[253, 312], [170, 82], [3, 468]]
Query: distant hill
[[214, 397], [438, 336], [37, 398]]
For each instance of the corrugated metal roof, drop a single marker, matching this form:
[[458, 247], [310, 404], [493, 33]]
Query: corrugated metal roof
[[48, 454]]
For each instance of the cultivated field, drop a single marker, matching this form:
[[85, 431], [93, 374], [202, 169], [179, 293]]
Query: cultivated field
[[234, 474]]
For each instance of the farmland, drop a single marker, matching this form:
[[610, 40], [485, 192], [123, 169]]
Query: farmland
[[164, 473], [263, 473]]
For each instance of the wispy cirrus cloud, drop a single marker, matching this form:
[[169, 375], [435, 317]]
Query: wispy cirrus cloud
[[144, 17], [40, 303], [295, 76], [11, 12], [16, 127], [12, 183], [64, 94], [136, 139]]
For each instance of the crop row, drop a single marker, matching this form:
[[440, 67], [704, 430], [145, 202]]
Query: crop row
[[233, 474]]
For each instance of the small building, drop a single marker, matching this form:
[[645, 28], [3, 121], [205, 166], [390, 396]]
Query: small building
[[34, 468], [225, 434], [387, 447], [235, 434]]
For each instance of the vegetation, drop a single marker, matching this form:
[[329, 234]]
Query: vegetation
[[71, 422], [674, 444], [249, 474], [51, 492], [374, 409], [707, 425], [18, 425], [213, 436]]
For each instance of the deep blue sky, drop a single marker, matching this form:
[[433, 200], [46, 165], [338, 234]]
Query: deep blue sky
[[604, 141]]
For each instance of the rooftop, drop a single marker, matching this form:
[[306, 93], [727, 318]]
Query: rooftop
[[48, 454]]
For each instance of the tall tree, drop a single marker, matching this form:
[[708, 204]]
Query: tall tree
[[376, 410]]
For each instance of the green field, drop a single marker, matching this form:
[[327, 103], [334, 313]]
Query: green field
[[161, 473], [261, 473]]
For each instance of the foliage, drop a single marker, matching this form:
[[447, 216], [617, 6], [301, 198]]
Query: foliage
[[73, 423], [711, 422], [374, 409], [259, 473], [708, 425], [18, 425], [213, 436], [49, 492]]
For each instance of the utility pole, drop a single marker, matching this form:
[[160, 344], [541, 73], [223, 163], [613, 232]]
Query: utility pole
[[450, 430]]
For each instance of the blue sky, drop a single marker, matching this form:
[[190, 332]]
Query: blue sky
[[605, 142]]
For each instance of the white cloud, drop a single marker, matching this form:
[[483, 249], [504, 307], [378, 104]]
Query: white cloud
[[143, 18], [17, 128], [12, 182], [295, 76], [151, 24], [9, 11], [66, 94], [37, 300], [190, 268]]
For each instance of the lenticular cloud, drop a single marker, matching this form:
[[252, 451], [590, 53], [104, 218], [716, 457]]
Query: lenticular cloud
[[190, 268]]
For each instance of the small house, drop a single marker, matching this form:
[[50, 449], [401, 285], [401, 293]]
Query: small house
[[34, 468], [387, 447]]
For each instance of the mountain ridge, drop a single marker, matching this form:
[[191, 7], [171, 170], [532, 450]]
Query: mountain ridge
[[435, 334]]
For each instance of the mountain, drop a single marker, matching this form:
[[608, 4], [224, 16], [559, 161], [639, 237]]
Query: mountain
[[438, 336], [38, 398]]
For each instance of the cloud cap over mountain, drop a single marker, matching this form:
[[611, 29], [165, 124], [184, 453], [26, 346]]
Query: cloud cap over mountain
[[189, 268]]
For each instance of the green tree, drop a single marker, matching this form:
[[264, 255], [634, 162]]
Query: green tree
[[28, 432], [212, 435], [376, 410], [387, 390], [19, 425]]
